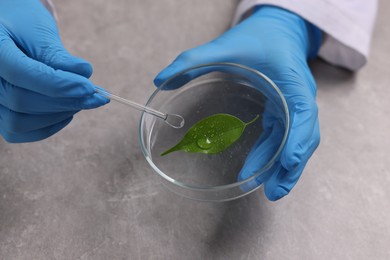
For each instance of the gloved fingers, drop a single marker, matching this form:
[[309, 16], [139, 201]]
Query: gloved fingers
[[303, 130], [203, 54], [22, 71], [25, 101], [14, 122], [57, 57], [94, 101], [268, 143], [282, 182], [273, 189], [35, 32], [35, 135], [260, 157], [262, 152], [258, 161]]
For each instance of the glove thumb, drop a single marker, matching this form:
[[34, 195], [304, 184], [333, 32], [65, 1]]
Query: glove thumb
[[203, 54]]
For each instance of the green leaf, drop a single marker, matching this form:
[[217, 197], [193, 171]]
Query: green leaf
[[211, 135]]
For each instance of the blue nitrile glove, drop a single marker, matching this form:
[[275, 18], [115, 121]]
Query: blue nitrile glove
[[41, 85], [277, 43]]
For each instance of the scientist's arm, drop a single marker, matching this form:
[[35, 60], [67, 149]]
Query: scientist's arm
[[41, 85], [277, 43], [347, 26]]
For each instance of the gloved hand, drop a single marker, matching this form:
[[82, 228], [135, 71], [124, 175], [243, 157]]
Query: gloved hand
[[277, 43], [41, 85]]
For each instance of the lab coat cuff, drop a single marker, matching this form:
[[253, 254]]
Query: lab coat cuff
[[345, 44]]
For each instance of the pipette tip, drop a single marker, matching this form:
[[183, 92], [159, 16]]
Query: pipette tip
[[176, 121]]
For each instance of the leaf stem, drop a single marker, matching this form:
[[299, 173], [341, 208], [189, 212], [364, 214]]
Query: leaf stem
[[253, 120]]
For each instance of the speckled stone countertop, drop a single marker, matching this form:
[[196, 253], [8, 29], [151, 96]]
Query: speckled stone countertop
[[88, 192]]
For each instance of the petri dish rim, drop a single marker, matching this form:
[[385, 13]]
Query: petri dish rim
[[268, 165]]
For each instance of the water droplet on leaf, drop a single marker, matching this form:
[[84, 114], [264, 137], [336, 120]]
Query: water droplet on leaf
[[204, 143], [218, 132]]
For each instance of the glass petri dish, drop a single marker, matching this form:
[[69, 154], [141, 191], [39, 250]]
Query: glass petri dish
[[203, 91]]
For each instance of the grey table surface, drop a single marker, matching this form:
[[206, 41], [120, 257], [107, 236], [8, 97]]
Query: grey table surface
[[88, 192]]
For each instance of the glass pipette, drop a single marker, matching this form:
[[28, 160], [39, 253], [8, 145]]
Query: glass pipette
[[175, 121]]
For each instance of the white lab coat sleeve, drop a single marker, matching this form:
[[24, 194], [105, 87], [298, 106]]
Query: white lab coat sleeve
[[347, 26]]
